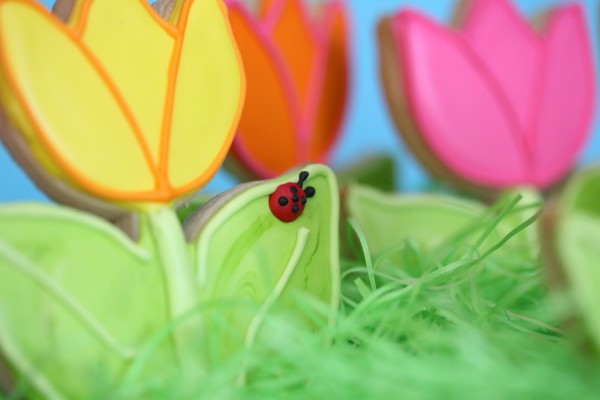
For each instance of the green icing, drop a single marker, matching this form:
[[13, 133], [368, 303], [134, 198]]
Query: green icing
[[433, 222], [247, 258], [75, 295], [576, 244], [82, 305]]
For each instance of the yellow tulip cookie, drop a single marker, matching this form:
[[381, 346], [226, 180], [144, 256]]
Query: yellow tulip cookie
[[117, 103]]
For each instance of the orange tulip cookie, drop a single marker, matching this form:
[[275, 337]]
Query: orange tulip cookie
[[297, 71]]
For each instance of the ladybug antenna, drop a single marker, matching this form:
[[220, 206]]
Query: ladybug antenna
[[309, 191], [303, 177]]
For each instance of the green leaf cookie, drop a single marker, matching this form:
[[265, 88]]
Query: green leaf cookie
[[81, 304], [244, 254], [434, 221], [572, 242], [78, 299]]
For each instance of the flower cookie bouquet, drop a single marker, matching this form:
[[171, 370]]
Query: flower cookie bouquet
[[120, 112]]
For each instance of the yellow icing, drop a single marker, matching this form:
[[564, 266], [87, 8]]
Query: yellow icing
[[142, 79], [81, 90], [119, 102], [200, 102]]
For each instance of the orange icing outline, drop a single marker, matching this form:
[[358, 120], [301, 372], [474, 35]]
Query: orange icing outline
[[222, 153], [163, 191], [44, 140]]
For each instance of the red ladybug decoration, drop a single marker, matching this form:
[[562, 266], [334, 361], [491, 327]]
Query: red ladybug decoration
[[288, 200]]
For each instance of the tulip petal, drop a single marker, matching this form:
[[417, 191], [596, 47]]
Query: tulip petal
[[511, 51], [208, 94], [567, 98], [294, 37], [114, 37], [95, 131], [459, 111], [266, 139], [330, 90], [264, 7]]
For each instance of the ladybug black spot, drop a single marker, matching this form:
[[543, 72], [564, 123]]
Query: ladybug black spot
[[303, 200], [295, 198], [295, 208], [283, 201], [294, 189]]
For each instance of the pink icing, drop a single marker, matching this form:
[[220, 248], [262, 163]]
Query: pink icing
[[567, 96], [497, 103], [510, 51]]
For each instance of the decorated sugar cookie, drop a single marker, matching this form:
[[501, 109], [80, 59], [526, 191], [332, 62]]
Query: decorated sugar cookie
[[439, 223], [266, 260], [297, 70], [571, 233], [79, 298], [118, 104], [115, 109], [492, 103]]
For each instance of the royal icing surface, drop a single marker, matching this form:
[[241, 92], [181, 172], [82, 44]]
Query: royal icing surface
[[498, 103], [297, 71], [79, 299], [118, 101]]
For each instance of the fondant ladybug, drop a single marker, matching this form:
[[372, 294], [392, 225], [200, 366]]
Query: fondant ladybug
[[288, 200]]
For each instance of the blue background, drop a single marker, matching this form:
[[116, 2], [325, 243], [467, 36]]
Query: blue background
[[368, 127]]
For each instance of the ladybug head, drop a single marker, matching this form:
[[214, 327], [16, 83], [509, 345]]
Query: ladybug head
[[288, 200]]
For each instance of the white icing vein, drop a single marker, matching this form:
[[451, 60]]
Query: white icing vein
[[32, 271], [259, 317]]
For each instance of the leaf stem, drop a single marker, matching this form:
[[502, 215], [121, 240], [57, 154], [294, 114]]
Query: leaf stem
[[177, 269]]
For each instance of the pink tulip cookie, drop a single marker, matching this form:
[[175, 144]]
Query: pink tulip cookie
[[492, 103]]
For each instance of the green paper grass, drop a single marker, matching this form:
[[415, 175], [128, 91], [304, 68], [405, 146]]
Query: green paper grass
[[456, 325]]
